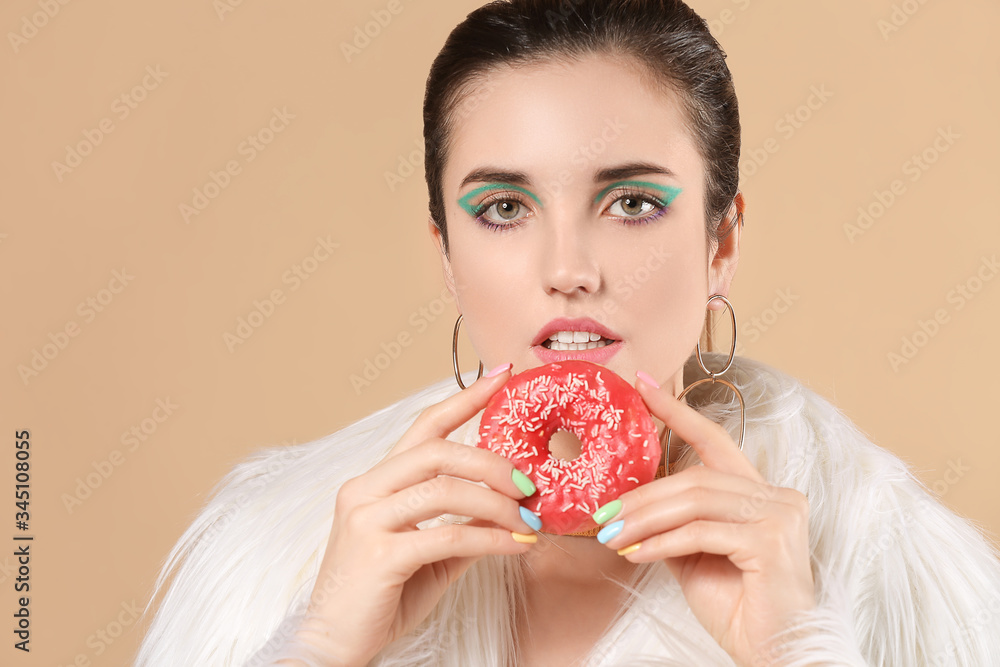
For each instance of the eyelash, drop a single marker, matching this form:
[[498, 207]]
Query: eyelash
[[621, 193]]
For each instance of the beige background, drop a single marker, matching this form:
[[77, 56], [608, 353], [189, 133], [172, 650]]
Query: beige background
[[62, 237]]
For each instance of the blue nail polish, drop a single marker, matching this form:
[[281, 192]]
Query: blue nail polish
[[609, 531], [530, 518]]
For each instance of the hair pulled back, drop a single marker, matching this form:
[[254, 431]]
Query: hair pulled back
[[668, 42]]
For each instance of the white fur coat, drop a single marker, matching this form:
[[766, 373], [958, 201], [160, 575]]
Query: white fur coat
[[900, 579]]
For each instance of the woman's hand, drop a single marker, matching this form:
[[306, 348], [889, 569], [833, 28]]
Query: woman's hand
[[381, 576], [738, 546]]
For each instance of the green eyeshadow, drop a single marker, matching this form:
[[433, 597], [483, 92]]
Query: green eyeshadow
[[668, 192], [471, 210]]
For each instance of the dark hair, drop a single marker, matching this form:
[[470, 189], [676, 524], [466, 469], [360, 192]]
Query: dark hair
[[671, 44]]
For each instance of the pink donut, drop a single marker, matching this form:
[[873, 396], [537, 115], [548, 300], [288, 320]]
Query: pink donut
[[620, 444]]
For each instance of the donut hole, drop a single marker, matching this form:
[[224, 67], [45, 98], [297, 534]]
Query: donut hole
[[565, 445]]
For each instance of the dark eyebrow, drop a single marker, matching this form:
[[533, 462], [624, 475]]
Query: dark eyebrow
[[620, 172], [493, 175], [630, 169]]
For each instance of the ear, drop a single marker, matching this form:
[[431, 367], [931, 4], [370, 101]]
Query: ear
[[722, 262], [449, 278]]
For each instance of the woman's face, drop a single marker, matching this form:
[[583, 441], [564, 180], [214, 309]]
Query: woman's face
[[573, 190]]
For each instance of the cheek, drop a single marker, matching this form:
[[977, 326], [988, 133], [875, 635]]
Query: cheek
[[672, 303], [670, 279], [488, 294], [667, 300], [482, 275]]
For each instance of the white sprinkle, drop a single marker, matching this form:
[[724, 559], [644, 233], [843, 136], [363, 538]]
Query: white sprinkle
[[633, 479]]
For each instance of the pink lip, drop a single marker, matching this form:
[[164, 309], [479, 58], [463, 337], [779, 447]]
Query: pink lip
[[598, 356]]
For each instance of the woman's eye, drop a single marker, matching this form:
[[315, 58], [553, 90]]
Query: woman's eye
[[506, 210], [631, 206]]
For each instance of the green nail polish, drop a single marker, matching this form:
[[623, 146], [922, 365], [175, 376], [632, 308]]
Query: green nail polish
[[608, 511], [522, 482]]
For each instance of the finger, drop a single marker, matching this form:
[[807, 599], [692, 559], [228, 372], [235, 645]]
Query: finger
[[722, 538], [453, 567], [440, 495], [451, 540], [693, 504], [440, 419], [666, 489], [779, 546], [437, 456], [710, 441]]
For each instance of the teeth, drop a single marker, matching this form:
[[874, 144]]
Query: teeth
[[575, 337], [569, 341], [568, 347]]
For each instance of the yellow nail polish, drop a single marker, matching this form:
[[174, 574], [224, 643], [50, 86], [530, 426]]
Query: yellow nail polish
[[524, 538], [629, 549]]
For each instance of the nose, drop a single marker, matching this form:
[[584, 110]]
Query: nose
[[569, 260]]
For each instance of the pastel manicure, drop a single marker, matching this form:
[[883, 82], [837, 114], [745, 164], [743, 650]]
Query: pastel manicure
[[498, 370], [522, 482], [530, 518], [629, 549], [610, 531], [645, 377], [607, 511]]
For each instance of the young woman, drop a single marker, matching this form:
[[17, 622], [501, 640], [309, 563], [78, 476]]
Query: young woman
[[582, 166]]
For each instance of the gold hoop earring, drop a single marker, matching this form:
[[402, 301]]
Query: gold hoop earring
[[454, 354], [713, 377]]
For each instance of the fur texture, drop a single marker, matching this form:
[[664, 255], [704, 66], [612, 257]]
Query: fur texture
[[901, 580]]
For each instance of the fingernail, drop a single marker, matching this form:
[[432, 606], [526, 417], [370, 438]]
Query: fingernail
[[498, 370], [642, 375], [530, 518], [523, 538], [522, 482], [607, 512], [629, 549], [609, 531]]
